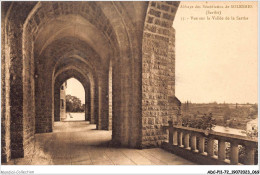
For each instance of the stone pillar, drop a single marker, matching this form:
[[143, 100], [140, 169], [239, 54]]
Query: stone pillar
[[158, 71], [16, 89], [92, 103], [221, 150], [87, 104], [96, 105], [180, 135], [250, 155], [62, 99], [103, 104], [19, 82], [186, 140], [170, 132], [126, 109], [210, 149], [5, 99], [44, 107], [110, 98], [193, 143], [201, 144], [234, 153], [116, 129], [99, 124], [175, 137], [56, 103]]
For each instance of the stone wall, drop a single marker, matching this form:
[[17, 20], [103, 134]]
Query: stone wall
[[158, 71], [19, 84], [5, 104]]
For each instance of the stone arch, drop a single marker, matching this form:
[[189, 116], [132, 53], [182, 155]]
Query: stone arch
[[126, 101], [90, 83], [62, 60], [60, 79], [18, 138], [128, 128], [126, 29]]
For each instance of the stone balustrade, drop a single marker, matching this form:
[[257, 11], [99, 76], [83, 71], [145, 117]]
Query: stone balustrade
[[209, 147]]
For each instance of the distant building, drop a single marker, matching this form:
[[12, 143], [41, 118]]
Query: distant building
[[252, 125], [228, 130], [63, 100]]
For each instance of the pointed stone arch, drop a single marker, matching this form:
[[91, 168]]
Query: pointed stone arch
[[125, 29], [60, 78]]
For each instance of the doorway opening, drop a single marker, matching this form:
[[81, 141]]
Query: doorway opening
[[72, 101]]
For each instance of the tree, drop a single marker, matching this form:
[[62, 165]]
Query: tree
[[205, 122], [253, 111], [73, 104], [227, 114]]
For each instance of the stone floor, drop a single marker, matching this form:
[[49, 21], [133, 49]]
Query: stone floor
[[79, 143], [75, 116]]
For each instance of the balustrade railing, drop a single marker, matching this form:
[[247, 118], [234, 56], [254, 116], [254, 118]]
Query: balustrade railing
[[208, 143]]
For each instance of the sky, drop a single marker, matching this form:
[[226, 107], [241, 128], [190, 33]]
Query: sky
[[216, 60], [75, 88]]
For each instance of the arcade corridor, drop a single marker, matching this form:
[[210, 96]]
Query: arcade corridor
[[123, 55]]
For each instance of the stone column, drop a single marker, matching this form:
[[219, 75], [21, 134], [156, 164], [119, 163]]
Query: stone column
[[56, 103], [103, 104], [87, 103], [201, 144], [234, 153], [250, 155], [15, 88], [180, 135], [158, 78], [110, 98], [210, 149], [186, 140], [92, 103], [193, 143], [221, 150]]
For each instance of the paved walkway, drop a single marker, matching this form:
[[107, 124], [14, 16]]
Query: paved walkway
[[75, 116], [79, 143]]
